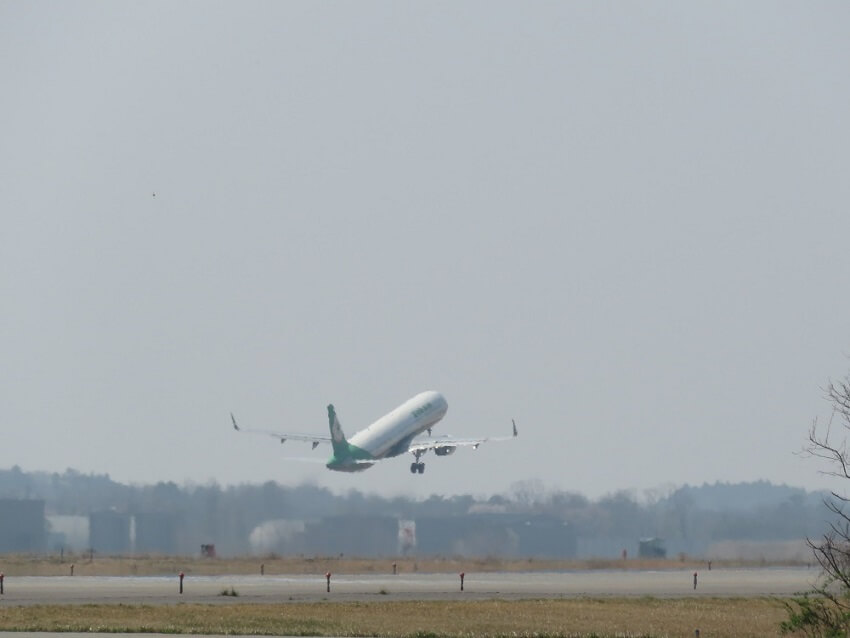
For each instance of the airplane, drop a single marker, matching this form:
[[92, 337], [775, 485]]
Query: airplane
[[392, 435]]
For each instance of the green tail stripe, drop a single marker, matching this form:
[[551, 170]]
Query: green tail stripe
[[338, 441], [343, 450]]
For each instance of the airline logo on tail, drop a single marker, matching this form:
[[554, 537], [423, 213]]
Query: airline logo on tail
[[336, 429], [346, 457], [342, 451]]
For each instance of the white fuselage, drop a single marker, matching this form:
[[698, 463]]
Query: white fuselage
[[391, 434]]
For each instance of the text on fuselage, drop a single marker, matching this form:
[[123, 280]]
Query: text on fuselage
[[421, 410]]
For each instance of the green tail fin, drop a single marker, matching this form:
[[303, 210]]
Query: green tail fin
[[341, 449]]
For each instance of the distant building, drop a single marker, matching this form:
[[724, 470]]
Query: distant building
[[509, 535], [489, 534], [22, 526], [156, 533], [352, 536], [68, 532], [109, 533], [652, 548]]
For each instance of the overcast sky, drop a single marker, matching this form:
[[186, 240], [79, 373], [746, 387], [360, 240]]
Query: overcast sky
[[624, 225]]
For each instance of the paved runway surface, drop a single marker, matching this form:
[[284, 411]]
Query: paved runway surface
[[32, 590]]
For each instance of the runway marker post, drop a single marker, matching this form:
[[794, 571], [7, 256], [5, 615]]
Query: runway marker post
[[462, 574], [263, 569], [181, 581], [2, 576], [72, 569], [328, 577]]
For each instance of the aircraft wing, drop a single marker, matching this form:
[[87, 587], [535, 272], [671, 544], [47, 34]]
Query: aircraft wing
[[447, 444], [284, 437]]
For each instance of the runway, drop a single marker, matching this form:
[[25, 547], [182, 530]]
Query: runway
[[163, 590]]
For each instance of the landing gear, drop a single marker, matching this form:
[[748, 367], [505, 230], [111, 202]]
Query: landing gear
[[416, 466]]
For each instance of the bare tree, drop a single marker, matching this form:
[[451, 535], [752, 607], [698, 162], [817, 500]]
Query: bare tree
[[833, 549], [825, 611]]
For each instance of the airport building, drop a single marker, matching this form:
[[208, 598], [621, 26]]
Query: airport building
[[156, 533], [109, 533], [509, 535], [352, 536], [506, 535], [22, 526]]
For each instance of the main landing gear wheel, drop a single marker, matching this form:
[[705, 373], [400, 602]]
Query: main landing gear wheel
[[417, 467]]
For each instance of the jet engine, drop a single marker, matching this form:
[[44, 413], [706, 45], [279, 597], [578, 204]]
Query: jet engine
[[445, 450]]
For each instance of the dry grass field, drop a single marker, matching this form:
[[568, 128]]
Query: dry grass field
[[714, 618], [20, 565]]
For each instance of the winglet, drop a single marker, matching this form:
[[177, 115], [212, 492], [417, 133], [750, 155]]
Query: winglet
[[233, 418], [514, 423]]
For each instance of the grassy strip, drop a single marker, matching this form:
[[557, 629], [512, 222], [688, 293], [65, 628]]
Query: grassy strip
[[716, 617], [23, 565]]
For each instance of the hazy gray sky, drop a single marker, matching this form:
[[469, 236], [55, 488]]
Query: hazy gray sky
[[623, 224]]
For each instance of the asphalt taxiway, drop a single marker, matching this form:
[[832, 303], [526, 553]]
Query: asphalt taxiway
[[72, 590]]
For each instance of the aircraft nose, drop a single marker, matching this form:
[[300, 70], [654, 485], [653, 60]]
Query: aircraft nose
[[441, 401]]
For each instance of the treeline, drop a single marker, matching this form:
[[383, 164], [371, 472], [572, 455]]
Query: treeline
[[685, 516]]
